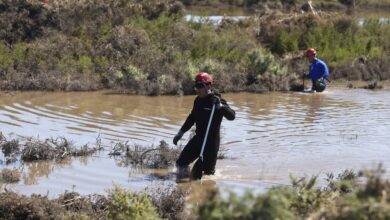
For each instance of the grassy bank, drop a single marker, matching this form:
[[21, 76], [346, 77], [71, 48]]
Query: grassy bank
[[353, 51], [350, 195], [142, 47], [295, 5], [148, 48]]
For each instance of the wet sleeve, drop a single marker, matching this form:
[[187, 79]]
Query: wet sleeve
[[226, 111], [189, 121]]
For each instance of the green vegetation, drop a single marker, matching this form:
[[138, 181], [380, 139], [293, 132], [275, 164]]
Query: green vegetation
[[128, 205], [118, 204], [351, 195], [352, 51], [339, 41], [291, 4], [343, 198], [146, 47]]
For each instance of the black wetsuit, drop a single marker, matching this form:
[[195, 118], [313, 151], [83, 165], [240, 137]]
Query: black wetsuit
[[200, 116]]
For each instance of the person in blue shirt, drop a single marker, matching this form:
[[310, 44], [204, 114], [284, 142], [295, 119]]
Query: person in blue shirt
[[318, 71]]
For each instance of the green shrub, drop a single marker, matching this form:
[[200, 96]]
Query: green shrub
[[275, 204], [19, 51], [101, 63], [85, 63], [105, 29], [127, 205], [304, 200], [285, 43], [264, 73], [5, 56], [365, 201], [258, 62]]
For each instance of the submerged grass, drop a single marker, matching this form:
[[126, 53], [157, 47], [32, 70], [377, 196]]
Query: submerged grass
[[33, 149], [10, 175], [49, 149], [161, 156]]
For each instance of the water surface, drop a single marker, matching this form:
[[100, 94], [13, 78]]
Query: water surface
[[274, 135]]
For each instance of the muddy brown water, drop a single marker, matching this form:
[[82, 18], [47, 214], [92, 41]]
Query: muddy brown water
[[274, 135]]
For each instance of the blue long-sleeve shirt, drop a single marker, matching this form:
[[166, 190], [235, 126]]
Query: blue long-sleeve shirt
[[318, 69]]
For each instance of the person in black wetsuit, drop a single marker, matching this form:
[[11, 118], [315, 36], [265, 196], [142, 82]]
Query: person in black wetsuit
[[200, 115]]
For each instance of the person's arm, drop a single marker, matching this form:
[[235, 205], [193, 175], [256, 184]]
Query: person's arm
[[186, 126], [222, 107], [322, 70], [190, 121], [226, 111]]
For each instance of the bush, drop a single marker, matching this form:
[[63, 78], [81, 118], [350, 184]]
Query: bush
[[304, 200], [127, 205], [85, 64], [14, 206], [264, 73], [368, 201], [169, 200], [21, 20], [145, 47], [286, 42], [275, 204]]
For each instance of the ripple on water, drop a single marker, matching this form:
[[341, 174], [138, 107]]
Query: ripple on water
[[273, 135]]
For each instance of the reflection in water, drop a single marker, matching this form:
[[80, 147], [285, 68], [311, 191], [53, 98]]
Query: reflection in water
[[274, 135], [315, 108], [34, 170]]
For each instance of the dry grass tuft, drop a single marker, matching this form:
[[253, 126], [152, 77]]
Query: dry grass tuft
[[10, 175], [161, 156], [50, 149]]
